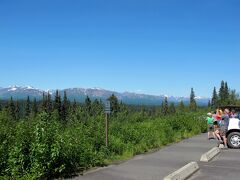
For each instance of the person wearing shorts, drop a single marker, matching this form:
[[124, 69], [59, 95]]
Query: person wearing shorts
[[224, 126], [210, 121]]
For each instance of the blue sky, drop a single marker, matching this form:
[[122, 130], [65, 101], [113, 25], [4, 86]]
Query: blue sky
[[146, 46]]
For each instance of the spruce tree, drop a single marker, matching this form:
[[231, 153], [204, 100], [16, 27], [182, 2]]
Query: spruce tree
[[209, 104], [0, 105], [96, 109], [49, 105], [181, 106], [172, 109], [35, 107], [222, 94], [27, 107], [114, 103], [192, 104], [88, 105], [17, 110], [65, 107], [233, 97], [44, 102], [11, 109], [58, 103], [214, 101], [226, 94], [74, 107], [165, 108]]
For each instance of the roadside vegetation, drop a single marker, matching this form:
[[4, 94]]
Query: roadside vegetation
[[57, 138]]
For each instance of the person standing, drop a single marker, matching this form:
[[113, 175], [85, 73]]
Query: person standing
[[210, 121], [224, 126]]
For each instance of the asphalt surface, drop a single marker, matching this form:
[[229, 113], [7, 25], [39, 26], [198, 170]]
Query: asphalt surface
[[226, 166], [156, 165]]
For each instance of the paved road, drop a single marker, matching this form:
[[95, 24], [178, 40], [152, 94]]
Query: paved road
[[226, 166], [156, 165]]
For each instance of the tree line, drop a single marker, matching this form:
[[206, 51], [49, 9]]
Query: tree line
[[224, 96], [63, 108]]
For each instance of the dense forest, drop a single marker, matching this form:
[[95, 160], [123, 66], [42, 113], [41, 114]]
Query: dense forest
[[55, 137]]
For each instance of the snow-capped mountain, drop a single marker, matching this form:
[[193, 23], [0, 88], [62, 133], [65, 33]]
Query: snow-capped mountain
[[21, 92]]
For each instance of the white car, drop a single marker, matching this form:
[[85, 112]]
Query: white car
[[233, 133]]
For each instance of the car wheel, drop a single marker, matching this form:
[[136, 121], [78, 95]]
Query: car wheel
[[234, 140]]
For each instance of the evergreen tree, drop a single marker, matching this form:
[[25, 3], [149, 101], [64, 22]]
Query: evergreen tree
[[114, 103], [27, 107], [17, 110], [165, 108], [192, 104], [35, 107], [226, 94], [74, 106], [233, 97], [222, 94], [65, 107], [214, 102], [123, 107], [11, 109], [172, 109], [181, 106], [88, 105], [96, 107], [58, 103], [209, 104], [44, 102], [0, 105], [49, 106]]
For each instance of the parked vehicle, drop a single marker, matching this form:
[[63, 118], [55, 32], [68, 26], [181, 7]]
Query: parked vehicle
[[233, 133]]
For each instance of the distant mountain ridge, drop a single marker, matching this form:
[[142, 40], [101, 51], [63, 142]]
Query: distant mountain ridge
[[21, 92]]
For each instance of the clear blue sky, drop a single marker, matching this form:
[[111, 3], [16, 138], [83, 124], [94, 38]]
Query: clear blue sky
[[148, 46]]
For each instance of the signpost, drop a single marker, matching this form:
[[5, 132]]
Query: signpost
[[107, 112]]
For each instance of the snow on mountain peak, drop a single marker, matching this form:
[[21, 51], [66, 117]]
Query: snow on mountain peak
[[12, 88], [30, 87], [96, 88]]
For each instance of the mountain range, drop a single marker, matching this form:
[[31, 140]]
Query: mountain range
[[21, 92]]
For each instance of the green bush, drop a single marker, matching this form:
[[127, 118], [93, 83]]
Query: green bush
[[44, 147]]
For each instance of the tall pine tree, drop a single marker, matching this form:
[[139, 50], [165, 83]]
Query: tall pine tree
[[172, 109], [35, 107], [74, 106], [11, 109], [192, 104], [233, 97], [88, 105], [65, 107], [28, 107], [222, 94], [49, 106], [214, 101], [58, 103], [44, 102], [17, 110], [181, 106], [114, 103], [209, 104], [226, 94], [165, 108]]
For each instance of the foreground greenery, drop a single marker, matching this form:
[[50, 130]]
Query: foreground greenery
[[54, 137], [42, 146]]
